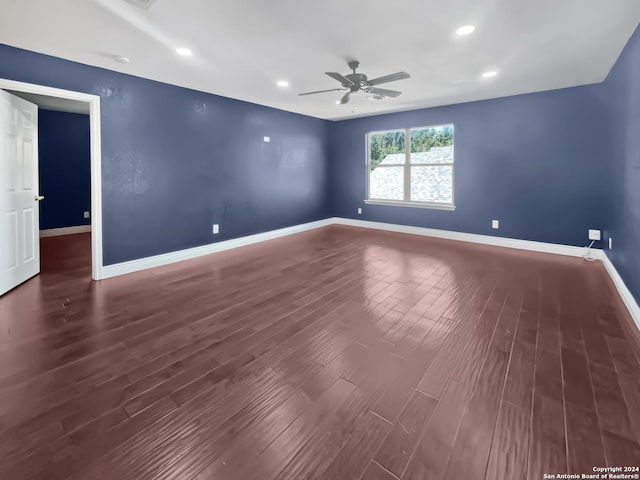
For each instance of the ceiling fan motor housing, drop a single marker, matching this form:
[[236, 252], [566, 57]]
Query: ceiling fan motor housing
[[357, 78]]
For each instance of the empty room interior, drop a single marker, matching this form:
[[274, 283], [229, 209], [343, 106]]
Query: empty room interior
[[319, 240]]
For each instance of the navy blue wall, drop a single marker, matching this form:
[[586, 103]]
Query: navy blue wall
[[623, 87], [537, 162], [548, 165], [64, 165], [175, 161]]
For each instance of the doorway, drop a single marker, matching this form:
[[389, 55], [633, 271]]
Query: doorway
[[66, 100]]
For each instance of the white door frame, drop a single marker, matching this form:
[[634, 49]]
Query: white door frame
[[96, 159]]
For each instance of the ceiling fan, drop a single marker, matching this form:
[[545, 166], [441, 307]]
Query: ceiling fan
[[355, 82]]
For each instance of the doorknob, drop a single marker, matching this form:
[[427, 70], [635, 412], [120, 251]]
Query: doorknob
[[38, 198]]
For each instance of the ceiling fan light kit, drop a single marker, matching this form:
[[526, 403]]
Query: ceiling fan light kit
[[358, 82]]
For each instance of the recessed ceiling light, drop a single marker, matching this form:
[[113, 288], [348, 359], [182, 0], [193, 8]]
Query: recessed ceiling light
[[283, 83], [121, 59], [489, 74], [337, 102], [146, 4], [184, 51], [466, 30]]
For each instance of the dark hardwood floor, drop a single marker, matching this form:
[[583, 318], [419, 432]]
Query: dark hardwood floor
[[339, 353]]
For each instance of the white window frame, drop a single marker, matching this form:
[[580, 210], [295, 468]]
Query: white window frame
[[407, 172]]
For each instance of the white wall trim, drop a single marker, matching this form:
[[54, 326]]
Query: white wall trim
[[96, 158], [467, 237], [623, 290], [57, 232], [557, 249], [123, 268], [173, 257]]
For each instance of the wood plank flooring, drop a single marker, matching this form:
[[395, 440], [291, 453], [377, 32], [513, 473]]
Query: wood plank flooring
[[339, 353]]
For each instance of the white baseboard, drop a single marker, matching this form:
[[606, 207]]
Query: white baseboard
[[56, 232], [173, 257], [623, 290], [109, 271], [467, 237]]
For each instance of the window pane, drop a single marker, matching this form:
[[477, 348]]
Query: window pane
[[432, 184], [387, 148], [386, 183], [432, 145]]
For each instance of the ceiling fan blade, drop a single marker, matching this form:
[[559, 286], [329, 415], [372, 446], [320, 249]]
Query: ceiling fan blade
[[342, 79], [389, 78], [345, 98], [320, 91], [384, 92]]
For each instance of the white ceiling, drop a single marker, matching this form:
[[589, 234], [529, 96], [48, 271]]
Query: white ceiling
[[243, 47]]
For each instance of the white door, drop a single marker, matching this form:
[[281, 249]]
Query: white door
[[20, 219]]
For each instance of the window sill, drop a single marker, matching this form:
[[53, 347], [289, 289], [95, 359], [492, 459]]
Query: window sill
[[392, 203]]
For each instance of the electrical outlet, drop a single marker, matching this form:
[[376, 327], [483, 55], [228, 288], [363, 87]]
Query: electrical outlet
[[359, 211], [216, 228], [495, 224], [86, 214], [267, 139], [610, 243], [594, 234]]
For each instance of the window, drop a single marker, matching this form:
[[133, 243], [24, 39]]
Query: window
[[411, 167]]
